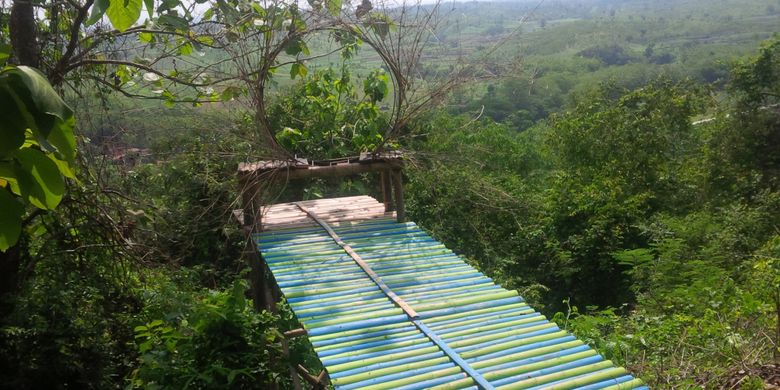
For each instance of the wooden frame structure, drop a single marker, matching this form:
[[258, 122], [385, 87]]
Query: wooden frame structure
[[254, 177]]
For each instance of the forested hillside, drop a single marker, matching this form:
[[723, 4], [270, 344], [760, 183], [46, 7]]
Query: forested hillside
[[615, 161]]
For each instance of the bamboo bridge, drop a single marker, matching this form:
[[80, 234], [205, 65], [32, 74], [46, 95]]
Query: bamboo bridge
[[386, 306]]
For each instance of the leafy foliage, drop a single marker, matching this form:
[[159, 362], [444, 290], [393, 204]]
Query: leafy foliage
[[217, 342], [38, 148], [325, 117], [655, 227]]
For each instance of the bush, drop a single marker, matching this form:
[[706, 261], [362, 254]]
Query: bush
[[217, 342]]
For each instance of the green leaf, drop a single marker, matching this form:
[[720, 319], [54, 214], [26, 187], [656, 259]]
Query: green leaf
[[11, 211], [334, 7], [173, 20], [229, 93], [65, 142], [27, 101], [5, 53], [98, 10], [124, 13], [15, 119], [8, 174], [185, 49], [205, 39], [149, 7], [65, 169], [145, 37], [39, 179], [376, 85], [298, 69], [296, 46]]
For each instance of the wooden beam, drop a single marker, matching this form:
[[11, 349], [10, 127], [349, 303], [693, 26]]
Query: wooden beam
[[256, 276], [295, 333], [308, 377], [398, 189], [249, 188], [316, 171]]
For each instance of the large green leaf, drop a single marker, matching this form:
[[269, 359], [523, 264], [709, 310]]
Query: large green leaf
[[124, 13], [64, 140], [149, 7], [5, 53], [39, 179], [298, 69], [15, 118], [296, 46], [32, 103], [98, 10], [11, 212]]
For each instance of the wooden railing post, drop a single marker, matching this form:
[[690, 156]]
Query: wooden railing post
[[248, 188], [387, 191], [398, 189]]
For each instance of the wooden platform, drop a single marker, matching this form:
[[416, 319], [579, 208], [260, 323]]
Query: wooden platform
[[334, 211], [386, 306]]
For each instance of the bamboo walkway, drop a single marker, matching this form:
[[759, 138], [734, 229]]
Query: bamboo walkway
[[388, 307]]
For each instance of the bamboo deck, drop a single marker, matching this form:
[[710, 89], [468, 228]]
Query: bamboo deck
[[365, 339]]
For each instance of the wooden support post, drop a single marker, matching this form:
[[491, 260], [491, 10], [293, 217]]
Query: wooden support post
[[398, 189], [387, 191], [256, 274], [249, 188], [295, 333], [315, 381]]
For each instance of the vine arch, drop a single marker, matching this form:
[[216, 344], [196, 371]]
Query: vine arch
[[397, 34]]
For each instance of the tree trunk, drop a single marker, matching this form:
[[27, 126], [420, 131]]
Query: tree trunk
[[23, 33], [777, 326], [10, 261], [24, 40]]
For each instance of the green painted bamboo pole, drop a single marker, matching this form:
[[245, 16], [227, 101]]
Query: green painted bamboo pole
[[315, 261], [457, 296], [487, 328], [358, 331], [540, 380], [496, 336], [387, 371], [465, 301], [368, 340], [380, 310], [589, 379], [423, 266], [479, 320], [625, 385], [381, 348], [512, 344], [381, 359], [505, 373], [339, 298], [422, 278], [435, 320], [411, 297], [526, 354], [340, 305], [325, 290], [355, 317], [417, 378]]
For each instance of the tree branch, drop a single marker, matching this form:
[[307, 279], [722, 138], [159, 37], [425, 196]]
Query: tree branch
[[58, 73]]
